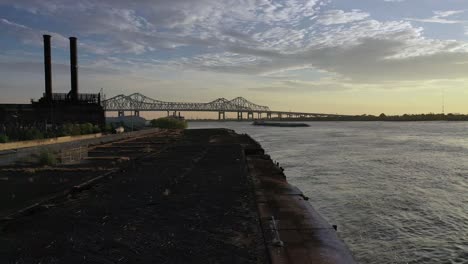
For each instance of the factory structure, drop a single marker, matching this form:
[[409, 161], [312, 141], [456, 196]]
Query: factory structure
[[55, 109]]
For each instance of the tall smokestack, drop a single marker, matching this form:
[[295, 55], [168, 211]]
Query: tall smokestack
[[47, 68], [74, 69]]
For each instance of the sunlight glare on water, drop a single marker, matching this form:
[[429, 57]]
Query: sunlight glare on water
[[398, 191]]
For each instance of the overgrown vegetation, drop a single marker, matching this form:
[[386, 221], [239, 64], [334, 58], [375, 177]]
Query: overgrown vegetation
[[47, 158], [78, 129], [3, 138], [168, 123], [14, 134], [32, 133]]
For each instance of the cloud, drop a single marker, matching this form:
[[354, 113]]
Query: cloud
[[248, 37], [33, 37], [299, 86], [165, 24], [335, 17], [28, 67], [365, 51], [440, 17]]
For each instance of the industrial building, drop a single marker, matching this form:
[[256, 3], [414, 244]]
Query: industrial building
[[55, 109]]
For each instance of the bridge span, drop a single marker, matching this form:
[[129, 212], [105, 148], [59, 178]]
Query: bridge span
[[137, 103]]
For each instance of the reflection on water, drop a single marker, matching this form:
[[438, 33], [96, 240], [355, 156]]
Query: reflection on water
[[397, 191]]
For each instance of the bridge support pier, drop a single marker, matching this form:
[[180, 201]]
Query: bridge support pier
[[137, 113], [259, 115], [268, 115], [121, 113], [280, 115], [250, 115], [221, 114], [174, 114], [239, 115]]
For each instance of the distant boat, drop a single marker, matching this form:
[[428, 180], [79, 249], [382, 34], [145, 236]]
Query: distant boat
[[279, 124]]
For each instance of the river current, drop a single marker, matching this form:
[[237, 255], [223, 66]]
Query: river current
[[398, 191]]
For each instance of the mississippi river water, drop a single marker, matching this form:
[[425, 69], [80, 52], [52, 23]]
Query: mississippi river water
[[398, 191]]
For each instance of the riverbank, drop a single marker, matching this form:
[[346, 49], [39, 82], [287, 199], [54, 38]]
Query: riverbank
[[211, 196], [354, 118]]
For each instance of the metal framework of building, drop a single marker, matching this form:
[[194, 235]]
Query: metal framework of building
[[137, 102]]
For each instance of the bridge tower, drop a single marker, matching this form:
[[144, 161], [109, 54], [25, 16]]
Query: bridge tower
[[221, 114], [239, 115]]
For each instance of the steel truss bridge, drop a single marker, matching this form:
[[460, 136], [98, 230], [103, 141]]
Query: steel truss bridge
[[137, 103]]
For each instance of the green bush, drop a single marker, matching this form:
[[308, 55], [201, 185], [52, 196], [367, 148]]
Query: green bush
[[3, 138], [76, 130], [47, 157], [86, 128], [169, 123], [32, 134], [108, 128], [96, 129], [67, 129], [79, 129]]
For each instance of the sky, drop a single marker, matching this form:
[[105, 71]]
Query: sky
[[329, 56]]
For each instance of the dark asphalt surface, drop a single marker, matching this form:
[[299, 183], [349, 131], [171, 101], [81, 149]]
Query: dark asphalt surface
[[191, 203]]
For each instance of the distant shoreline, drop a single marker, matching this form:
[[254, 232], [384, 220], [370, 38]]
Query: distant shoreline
[[361, 118]]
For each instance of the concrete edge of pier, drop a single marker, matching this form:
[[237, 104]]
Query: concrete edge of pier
[[294, 232]]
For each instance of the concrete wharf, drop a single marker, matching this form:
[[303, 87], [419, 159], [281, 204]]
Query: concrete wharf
[[192, 196]]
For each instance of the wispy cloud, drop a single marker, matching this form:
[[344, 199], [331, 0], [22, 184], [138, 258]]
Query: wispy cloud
[[335, 17], [441, 17]]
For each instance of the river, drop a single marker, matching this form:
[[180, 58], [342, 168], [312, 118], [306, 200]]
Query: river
[[398, 191]]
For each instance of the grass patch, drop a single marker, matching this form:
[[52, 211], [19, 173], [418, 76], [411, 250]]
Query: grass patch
[[3, 138]]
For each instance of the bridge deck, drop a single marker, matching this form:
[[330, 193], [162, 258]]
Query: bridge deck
[[138, 102]]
